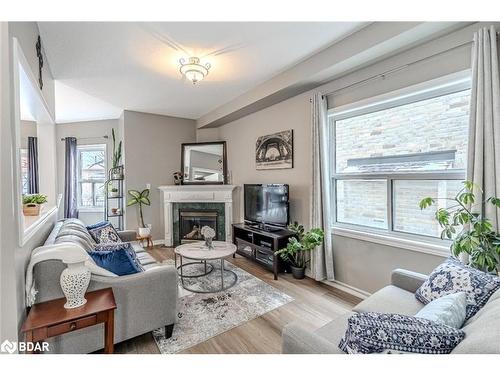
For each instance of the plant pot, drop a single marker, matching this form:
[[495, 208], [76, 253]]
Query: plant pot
[[117, 176], [298, 272], [113, 194], [31, 209], [144, 232]]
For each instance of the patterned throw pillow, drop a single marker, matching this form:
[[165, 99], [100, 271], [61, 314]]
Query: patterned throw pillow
[[372, 332], [104, 232], [452, 276]]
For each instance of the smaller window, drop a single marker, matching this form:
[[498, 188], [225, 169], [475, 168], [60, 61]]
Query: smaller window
[[91, 164]]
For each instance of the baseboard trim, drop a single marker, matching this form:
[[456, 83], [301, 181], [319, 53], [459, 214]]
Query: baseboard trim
[[347, 288], [158, 242]]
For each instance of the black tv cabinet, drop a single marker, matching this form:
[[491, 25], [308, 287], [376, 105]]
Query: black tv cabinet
[[259, 245]]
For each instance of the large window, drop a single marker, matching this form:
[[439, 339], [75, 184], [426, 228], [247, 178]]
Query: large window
[[389, 154], [91, 176]]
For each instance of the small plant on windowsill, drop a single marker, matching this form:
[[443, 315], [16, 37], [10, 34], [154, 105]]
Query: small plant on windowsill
[[296, 252], [32, 204], [476, 237]]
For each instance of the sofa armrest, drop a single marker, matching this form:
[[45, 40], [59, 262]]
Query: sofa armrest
[[145, 300], [298, 340], [127, 235], [407, 280]]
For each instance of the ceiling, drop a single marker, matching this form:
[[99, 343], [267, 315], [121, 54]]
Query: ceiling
[[102, 68]]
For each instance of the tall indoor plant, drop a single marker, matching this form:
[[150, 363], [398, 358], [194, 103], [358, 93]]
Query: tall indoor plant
[[140, 198], [470, 232], [117, 170], [296, 252]]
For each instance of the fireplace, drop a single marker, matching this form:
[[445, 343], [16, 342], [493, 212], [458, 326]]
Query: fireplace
[[192, 220]]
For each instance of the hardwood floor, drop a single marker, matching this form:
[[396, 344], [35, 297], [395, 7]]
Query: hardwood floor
[[315, 304]]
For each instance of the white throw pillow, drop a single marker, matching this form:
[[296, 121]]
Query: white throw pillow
[[449, 310]]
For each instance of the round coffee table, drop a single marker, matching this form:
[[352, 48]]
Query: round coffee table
[[200, 254]]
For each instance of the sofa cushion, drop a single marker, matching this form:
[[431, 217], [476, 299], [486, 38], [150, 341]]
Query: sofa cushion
[[104, 232], [482, 332], [119, 262], [334, 331], [452, 276], [390, 299], [394, 333], [75, 239], [449, 310]]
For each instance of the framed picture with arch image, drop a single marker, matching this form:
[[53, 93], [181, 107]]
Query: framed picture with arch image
[[274, 151]]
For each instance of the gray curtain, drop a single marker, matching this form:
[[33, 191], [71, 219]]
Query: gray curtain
[[322, 257], [33, 184], [483, 166], [70, 183]]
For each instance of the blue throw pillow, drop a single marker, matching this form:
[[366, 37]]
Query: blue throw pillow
[[118, 261], [372, 332], [104, 232], [452, 276], [449, 310], [127, 246]]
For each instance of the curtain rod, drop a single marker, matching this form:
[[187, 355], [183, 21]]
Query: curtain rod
[[104, 136], [394, 70]]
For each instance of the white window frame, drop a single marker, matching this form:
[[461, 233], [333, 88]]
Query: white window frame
[[91, 147], [445, 85]]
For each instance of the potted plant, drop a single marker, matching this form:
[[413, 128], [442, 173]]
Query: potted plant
[[113, 192], [470, 232], [32, 203], [140, 198], [296, 251], [117, 170]]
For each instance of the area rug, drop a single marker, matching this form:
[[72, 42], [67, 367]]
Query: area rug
[[203, 316]]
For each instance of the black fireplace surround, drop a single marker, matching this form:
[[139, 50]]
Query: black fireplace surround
[[189, 218]]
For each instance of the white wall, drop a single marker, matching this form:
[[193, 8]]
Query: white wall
[[13, 257], [152, 146], [362, 264], [93, 131]]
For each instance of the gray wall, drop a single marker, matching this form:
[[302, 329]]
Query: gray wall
[[92, 130], [152, 145], [358, 263], [13, 257]]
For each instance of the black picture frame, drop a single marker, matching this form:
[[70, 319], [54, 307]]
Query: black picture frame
[[224, 161]]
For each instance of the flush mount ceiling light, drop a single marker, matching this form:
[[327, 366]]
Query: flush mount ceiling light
[[193, 70]]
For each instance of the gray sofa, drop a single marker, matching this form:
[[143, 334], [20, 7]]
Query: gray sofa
[[482, 331], [145, 301]]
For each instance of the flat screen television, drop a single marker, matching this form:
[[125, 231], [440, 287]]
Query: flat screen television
[[266, 204]]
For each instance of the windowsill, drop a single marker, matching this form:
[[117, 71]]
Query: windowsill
[[31, 224], [427, 247]]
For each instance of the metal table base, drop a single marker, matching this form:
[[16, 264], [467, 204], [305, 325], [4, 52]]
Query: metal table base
[[223, 286]]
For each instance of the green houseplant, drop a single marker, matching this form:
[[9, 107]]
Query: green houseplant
[[470, 232], [117, 170], [140, 198], [299, 246], [32, 203]]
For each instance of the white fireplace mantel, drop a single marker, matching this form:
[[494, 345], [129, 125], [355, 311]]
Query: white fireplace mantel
[[196, 194]]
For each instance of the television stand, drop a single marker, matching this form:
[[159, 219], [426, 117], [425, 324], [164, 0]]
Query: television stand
[[259, 245], [264, 227]]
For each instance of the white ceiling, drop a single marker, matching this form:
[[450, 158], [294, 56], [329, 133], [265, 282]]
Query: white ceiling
[[102, 68]]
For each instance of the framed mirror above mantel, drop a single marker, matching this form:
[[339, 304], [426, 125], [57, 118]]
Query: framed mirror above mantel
[[204, 163]]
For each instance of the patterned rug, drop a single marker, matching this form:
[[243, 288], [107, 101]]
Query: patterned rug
[[203, 316]]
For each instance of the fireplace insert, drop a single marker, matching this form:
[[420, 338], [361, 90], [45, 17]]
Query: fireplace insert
[[191, 222]]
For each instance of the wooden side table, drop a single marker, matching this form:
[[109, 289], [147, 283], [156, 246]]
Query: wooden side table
[[148, 239], [50, 318]]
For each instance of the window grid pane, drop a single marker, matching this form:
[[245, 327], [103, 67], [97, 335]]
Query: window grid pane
[[91, 176], [424, 137]]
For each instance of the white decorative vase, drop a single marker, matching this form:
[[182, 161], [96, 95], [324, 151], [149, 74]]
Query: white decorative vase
[[74, 281], [144, 232]]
